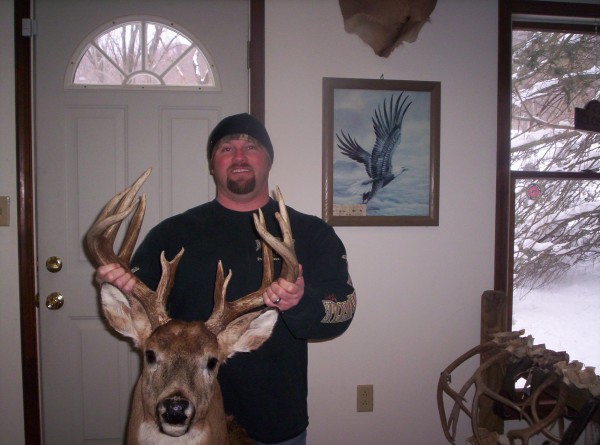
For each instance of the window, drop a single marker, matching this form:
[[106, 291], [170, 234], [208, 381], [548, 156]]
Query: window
[[548, 227], [142, 54]]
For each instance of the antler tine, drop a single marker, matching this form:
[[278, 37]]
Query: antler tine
[[449, 423], [290, 264], [285, 248], [101, 236], [100, 243], [224, 312], [220, 288], [126, 202], [219, 308], [155, 302], [133, 231]]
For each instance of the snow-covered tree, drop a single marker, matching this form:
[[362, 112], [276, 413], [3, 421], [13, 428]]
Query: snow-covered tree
[[556, 217]]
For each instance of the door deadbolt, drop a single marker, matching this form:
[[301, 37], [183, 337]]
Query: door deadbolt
[[53, 264]]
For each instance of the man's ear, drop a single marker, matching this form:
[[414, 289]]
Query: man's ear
[[248, 332]]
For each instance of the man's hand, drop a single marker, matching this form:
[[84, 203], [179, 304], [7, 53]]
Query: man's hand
[[285, 295], [117, 276]]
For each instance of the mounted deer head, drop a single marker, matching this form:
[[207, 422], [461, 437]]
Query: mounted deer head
[[385, 24], [177, 398]]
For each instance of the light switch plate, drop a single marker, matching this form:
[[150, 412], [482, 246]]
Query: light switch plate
[[4, 211]]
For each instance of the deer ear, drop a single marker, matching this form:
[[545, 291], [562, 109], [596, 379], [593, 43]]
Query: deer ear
[[248, 332], [125, 317]]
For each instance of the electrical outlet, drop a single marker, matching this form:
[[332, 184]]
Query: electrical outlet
[[364, 398]]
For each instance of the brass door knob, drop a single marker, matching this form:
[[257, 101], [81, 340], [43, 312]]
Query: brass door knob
[[55, 301], [54, 264]]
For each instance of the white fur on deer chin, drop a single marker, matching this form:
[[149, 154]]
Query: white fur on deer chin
[[174, 430], [149, 434]]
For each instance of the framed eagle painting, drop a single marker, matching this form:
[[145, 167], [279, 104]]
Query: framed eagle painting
[[381, 150]]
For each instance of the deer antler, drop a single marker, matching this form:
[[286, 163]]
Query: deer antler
[[100, 240], [224, 312], [100, 243], [507, 349]]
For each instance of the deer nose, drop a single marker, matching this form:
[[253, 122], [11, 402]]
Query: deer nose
[[174, 410]]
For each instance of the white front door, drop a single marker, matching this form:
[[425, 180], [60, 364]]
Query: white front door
[[89, 145]]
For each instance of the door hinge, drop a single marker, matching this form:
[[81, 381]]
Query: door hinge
[[28, 27], [248, 55]]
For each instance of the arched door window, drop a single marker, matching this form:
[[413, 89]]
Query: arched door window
[[142, 54]]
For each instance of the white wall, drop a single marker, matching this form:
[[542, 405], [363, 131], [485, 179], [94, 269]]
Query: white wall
[[11, 396], [418, 288]]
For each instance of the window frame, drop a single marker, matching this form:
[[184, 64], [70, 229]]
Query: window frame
[[508, 19], [82, 49]]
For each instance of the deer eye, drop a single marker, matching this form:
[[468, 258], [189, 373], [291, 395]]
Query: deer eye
[[150, 357], [211, 364]]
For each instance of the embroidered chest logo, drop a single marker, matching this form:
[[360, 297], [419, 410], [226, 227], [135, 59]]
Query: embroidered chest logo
[[257, 248]]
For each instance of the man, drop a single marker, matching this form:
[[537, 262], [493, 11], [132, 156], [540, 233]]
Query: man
[[264, 390]]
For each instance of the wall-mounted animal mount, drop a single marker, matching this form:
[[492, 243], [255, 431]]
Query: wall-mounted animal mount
[[385, 24]]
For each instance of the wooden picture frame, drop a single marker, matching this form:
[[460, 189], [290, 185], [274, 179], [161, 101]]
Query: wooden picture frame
[[398, 185]]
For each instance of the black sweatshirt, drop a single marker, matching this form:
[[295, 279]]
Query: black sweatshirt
[[265, 390]]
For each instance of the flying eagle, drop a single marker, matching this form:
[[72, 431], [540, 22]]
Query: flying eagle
[[387, 125]]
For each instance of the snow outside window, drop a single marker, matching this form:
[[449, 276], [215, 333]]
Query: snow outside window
[[142, 54], [556, 192]]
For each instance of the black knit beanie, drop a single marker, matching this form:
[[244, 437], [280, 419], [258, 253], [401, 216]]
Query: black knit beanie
[[239, 124]]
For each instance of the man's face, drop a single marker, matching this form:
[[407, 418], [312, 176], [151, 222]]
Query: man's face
[[240, 166]]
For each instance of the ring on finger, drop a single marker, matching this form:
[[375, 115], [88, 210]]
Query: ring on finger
[[277, 301]]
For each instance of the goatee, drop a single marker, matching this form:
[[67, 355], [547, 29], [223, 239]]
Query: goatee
[[242, 187]]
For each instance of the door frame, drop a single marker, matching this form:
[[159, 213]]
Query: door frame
[[24, 110]]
